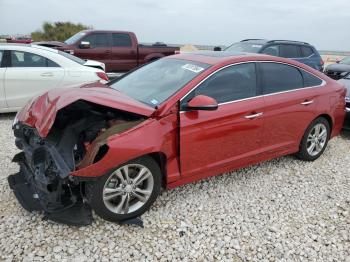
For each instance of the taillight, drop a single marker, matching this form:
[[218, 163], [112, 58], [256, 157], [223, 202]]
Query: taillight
[[177, 52], [102, 75]]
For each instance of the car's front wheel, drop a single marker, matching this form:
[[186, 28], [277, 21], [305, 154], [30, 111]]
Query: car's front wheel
[[127, 192], [315, 140]]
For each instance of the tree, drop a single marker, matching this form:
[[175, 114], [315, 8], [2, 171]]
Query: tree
[[58, 31]]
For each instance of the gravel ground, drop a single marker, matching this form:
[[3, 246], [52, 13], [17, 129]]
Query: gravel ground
[[280, 210]]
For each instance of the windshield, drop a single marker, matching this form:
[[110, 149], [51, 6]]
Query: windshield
[[152, 84], [247, 47], [72, 57], [74, 38], [345, 60]]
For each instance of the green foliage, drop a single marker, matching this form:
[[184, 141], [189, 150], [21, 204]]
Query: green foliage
[[58, 31]]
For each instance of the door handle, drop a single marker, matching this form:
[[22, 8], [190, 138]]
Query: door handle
[[47, 74], [307, 102], [254, 115]]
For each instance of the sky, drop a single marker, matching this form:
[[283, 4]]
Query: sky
[[325, 24]]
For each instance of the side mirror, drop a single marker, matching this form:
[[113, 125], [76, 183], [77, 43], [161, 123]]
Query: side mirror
[[217, 48], [338, 61], [84, 45], [202, 102]]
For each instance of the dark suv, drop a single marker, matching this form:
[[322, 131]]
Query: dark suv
[[299, 51]]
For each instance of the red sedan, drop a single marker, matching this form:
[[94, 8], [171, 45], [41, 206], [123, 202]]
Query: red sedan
[[171, 122]]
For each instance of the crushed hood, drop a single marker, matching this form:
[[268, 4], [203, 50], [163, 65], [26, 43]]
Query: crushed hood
[[41, 112]]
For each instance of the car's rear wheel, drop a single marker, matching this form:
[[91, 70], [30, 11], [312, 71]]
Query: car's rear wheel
[[315, 140], [127, 192]]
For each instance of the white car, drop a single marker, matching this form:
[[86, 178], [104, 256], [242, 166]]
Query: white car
[[29, 70]]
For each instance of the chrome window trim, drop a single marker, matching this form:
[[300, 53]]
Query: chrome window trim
[[323, 83]]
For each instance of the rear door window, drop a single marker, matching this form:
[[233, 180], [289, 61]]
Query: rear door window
[[121, 40], [278, 77], [289, 51], [232, 83], [26, 59], [97, 40], [306, 51]]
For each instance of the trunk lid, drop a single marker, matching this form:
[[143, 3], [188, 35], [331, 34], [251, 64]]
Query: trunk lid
[[41, 112]]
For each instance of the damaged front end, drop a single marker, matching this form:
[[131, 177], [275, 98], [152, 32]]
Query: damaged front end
[[77, 138]]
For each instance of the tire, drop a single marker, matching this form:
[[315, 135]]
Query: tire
[[305, 153], [108, 205]]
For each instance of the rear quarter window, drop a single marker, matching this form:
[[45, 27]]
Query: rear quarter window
[[310, 80], [306, 51], [51, 63]]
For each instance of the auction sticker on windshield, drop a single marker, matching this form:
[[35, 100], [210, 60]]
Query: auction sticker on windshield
[[154, 101], [193, 68]]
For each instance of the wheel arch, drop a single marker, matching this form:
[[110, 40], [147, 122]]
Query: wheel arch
[[329, 119], [325, 116], [161, 160]]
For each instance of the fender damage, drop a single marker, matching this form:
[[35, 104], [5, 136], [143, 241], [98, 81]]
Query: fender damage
[[77, 138]]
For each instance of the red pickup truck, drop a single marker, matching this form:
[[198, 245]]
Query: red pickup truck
[[119, 50]]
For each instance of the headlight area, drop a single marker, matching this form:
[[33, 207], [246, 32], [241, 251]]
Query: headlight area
[[77, 139], [43, 184]]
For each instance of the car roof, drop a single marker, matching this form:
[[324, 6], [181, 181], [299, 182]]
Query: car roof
[[215, 57], [10, 45], [106, 31], [265, 41], [256, 41]]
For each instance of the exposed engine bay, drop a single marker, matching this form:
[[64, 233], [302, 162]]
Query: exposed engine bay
[[78, 138]]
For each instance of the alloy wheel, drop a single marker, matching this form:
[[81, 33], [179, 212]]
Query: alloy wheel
[[128, 188], [317, 139]]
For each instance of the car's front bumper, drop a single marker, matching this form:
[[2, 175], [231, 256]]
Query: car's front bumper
[[43, 182], [32, 199]]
